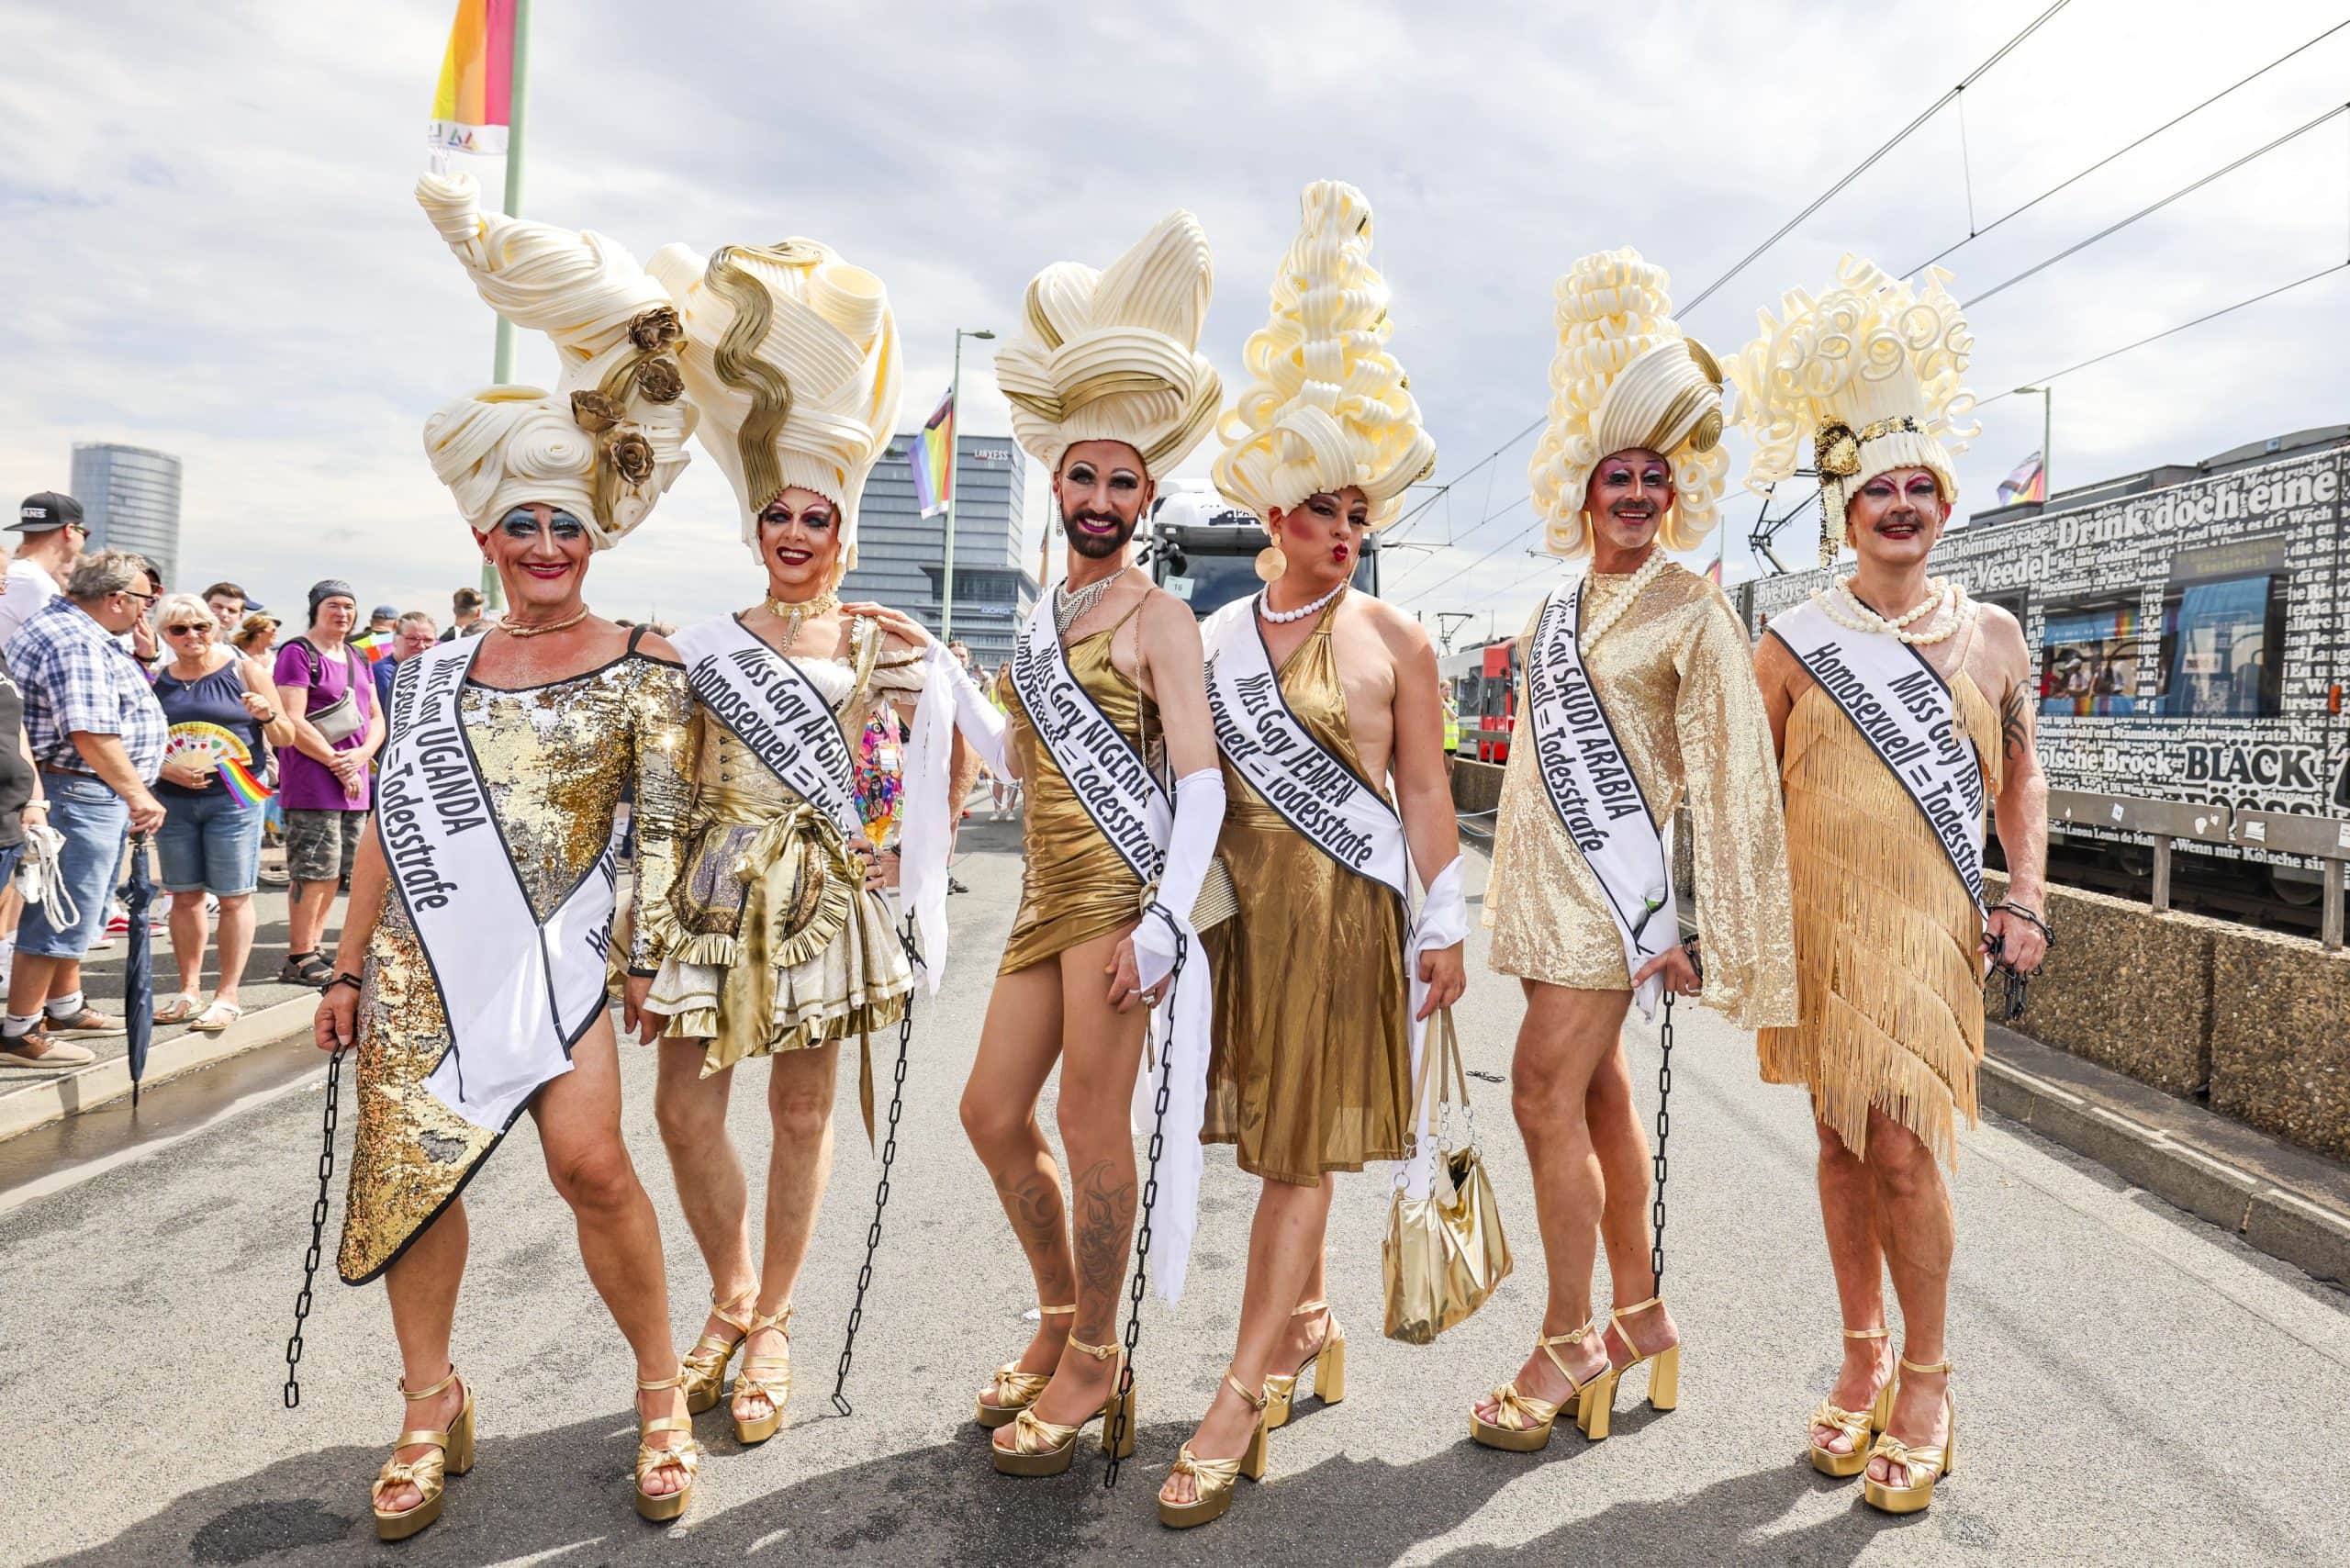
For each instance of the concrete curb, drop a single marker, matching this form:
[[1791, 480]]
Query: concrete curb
[[2310, 1234], [28, 1102]]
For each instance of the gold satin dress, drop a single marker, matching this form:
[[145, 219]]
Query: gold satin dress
[[1310, 1067], [1074, 885], [1676, 677], [556, 760], [769, 940], [1891, 1007]]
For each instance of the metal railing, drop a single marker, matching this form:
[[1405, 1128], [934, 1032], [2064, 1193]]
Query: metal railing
[[2165, 823]]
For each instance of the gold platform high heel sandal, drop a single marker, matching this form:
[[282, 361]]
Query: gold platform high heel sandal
[[1533, 1417], [1923, 1466], [1598, 1403], [1214, 1480], [1045, 1448], [767, 1375], [1329, 1362], [453, 1454], [703, 1368], [687, 1456], [1859, 1425], [1014, 1390]]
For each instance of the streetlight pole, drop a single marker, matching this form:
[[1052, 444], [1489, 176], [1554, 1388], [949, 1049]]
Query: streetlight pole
[[954, 483], [2047, 395]]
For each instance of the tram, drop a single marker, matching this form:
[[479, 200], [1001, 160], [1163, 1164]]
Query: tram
[[1482, 683], [2191, 630]]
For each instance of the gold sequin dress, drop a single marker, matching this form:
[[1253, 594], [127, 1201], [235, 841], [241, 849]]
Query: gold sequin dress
[[1676, 675], [769, 940], [1311, 1067], [556, 760], [1074, 885], [1891, 1005]]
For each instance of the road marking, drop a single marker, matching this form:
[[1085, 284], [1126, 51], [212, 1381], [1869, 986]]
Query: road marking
[[75, 1175]]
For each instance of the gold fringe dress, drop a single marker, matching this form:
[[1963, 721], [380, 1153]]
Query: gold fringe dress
[[1891, 1013], [1074, 885], [556, 760], [1311, 1067], [769, 941], [1676, 675]]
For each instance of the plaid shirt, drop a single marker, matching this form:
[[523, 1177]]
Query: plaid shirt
[[77, 677]]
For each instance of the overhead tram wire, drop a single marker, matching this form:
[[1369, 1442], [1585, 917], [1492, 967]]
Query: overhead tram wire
[[1397, 528], [2172, 331], [1974, 234], [2114, 228], [1869, 163]]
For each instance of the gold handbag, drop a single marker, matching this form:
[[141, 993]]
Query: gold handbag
[[1446, 1252]]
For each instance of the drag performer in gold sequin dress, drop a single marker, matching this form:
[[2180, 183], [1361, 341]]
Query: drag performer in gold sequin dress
[[472, 969], [1628, 468]]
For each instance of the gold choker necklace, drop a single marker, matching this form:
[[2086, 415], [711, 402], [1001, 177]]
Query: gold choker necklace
[[573, 618], [794, 616]]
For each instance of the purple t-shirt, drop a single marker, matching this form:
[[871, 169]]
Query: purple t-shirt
[[305, 785]]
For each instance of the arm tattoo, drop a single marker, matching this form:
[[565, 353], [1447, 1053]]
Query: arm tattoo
[[2015, 722]]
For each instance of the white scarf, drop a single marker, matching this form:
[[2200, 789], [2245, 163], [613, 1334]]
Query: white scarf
[[518, 993], [1591, 785], [1905, 711]]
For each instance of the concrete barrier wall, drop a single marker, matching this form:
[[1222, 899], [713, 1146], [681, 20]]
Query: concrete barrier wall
[[2280, 1036], [1476, 786]]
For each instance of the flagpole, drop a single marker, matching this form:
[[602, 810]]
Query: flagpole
[[954, 492], [502, 362]]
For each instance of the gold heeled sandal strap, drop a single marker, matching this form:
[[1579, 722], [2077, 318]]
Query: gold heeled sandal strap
[[1615, 1321], [1305, 1308], [1909, 1365], [428, 1473], [1574, 1383], [401, 1384], [656, 1384], [1032, 1434], [1257, 1401], [1853, 1424], [1926, 1458], [1069, 1311], [1099, 1352], [1209, 1476], [685, 1456], [1529, 1411], [1867, 1333]]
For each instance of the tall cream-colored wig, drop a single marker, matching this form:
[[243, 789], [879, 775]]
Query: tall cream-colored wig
[[1623, 376], [1327, 405]]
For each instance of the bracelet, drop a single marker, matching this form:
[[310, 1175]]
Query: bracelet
[[353, 981]]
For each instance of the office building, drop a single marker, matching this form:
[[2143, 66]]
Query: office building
[[900, 554], [130, 498]]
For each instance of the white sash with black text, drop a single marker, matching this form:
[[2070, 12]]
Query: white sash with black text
[[776, 712], [1106, 774], [519, 991], [1905, 711], [1315, 792], [1591, 785]]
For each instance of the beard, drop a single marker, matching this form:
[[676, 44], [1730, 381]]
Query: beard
[[1099, 546]]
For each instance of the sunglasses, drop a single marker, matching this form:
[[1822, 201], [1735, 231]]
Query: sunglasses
[[192, 628]]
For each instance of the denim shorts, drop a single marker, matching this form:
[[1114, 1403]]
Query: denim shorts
[[95, 821], [212, 841]]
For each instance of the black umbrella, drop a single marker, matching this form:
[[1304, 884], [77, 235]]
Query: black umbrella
[[137, 965]]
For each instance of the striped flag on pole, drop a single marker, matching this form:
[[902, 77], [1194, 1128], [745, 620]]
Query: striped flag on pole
[[929, 457], [473, 106]]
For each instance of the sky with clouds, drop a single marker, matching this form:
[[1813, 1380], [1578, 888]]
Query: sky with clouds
[[213, 248]]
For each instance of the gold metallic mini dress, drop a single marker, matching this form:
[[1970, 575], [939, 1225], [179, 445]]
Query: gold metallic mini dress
[[1074, 885], [769, 940], [556, 760], [1676, 675], [1891, 1009], [1310, 1067]]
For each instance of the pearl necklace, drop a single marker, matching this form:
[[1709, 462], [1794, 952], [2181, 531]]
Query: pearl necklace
[[1945, 611], [1283, 617], [794, 616], [1068, 608], [541, 629], [1588, 636]]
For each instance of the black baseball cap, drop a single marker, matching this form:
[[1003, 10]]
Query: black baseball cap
[[44, 511]]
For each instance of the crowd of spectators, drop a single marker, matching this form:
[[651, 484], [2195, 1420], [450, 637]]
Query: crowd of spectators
[[131, 717]]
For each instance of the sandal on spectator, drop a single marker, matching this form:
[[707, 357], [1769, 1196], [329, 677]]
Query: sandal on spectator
[[306, 969], [177, 1009], [216, 1015]]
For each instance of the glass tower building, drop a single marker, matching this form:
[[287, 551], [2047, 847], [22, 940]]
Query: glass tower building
[[900, 554], [130, 498]]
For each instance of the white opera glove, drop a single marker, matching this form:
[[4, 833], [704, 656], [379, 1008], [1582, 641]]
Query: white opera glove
[[981, 723], [1190, 844], [1443, 920]]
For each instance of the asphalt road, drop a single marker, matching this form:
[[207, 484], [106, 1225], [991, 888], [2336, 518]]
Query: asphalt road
[[2133, 1386]]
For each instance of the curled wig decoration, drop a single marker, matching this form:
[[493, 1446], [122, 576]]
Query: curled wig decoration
[[1867, 374], [1326, 406], [1625, 377]]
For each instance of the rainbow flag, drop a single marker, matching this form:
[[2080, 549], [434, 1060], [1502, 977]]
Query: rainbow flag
[[241, 782], [471, 108], [2028, 483], [928, 455]]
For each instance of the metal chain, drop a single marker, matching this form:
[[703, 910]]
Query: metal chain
[[1664, 1125], [880, 1193], [1140, 1284], [317, 1233]]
